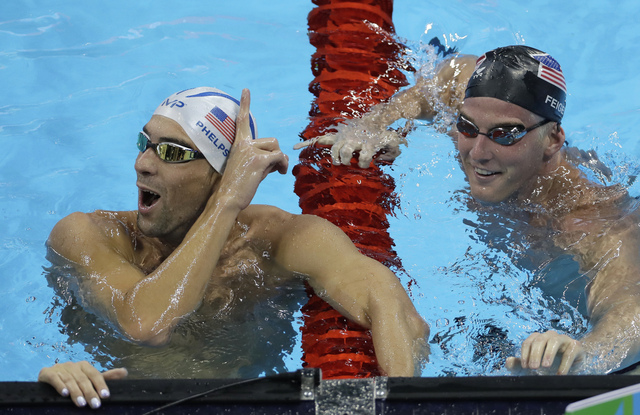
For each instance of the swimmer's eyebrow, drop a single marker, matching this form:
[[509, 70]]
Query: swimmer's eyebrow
[[497, 125], [168, 139]]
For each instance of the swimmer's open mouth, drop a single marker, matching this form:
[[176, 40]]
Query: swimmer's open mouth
[[483, 172], [148, 198]]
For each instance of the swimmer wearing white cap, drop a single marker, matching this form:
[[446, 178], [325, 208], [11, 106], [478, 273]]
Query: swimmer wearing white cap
[[208, 116], [508, 105], [194, 233]]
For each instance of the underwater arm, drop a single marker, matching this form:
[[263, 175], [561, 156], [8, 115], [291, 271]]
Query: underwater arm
[[369, 134], [613, 339], [360, 288], [613, 343]]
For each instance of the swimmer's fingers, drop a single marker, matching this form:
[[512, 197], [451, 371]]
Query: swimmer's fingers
[[327, 139], [367, 152], [93, 385], [345, 152], [115, 374], [335, 152], [572, 354], [389, 153], [269, 147], [555, 344], [243, 126], [527, 359], [514, 365], [277, 160], [305, 143], [542, 349], [80, 381], [88, 380], [387, 148], [259, 154], [345, 143], [68, 378], [51, 376], [249, 162]]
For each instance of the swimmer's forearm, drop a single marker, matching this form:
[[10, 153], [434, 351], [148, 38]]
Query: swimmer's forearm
[[360, 288], [411, 103], [154, 307], [399, 336], [614, 341]]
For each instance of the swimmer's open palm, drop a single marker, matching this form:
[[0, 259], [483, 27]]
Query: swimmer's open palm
[[82, 382], [250, 161], [547, 351]]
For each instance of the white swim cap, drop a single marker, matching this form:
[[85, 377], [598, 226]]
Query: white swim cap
[[208, 116]]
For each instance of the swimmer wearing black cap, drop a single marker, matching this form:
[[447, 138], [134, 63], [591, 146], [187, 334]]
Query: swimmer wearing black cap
[[514, 99], [523, 76], [508, 105]]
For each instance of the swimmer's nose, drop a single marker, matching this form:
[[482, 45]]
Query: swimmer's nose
[[147, 162], [481, 148]]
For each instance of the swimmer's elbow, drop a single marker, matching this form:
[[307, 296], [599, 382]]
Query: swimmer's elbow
[[146, 336], [420, 328], [156, 340], [150, 339]]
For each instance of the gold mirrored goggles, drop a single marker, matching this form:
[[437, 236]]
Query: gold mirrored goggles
[[169, 152]]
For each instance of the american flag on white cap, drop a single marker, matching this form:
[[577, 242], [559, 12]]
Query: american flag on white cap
[[225, 124]]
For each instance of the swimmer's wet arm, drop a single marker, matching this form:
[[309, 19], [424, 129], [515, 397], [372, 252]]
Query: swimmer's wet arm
[[368, 134], [420, 100], [146, 308], [613, 342], [359, 287]]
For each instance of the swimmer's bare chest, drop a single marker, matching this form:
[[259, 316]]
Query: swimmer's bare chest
[[245, 269]]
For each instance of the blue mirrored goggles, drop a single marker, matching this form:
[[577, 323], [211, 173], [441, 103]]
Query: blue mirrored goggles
[[169, 152], [504, 136]]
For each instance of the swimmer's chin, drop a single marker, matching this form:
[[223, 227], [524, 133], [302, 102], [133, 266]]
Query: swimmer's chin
[[483, 199]]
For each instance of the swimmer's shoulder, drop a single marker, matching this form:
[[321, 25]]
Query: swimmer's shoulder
[[79, 233], [255, 214], [272, 222], [267, 214]]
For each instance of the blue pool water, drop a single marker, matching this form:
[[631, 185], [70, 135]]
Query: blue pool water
[[79, 81]]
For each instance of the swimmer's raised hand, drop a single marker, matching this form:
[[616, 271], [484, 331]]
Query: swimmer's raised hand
[[250, 161], [82, 382], [542, 351]]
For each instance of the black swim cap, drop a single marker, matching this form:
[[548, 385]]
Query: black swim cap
[[523, 76]]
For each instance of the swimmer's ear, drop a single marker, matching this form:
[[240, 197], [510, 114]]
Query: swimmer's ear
[[555, 139]]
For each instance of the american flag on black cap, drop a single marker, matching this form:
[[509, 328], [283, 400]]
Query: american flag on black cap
[[549, 70]]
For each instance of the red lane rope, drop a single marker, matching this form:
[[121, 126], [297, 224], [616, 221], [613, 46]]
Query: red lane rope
[[355, 66]]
